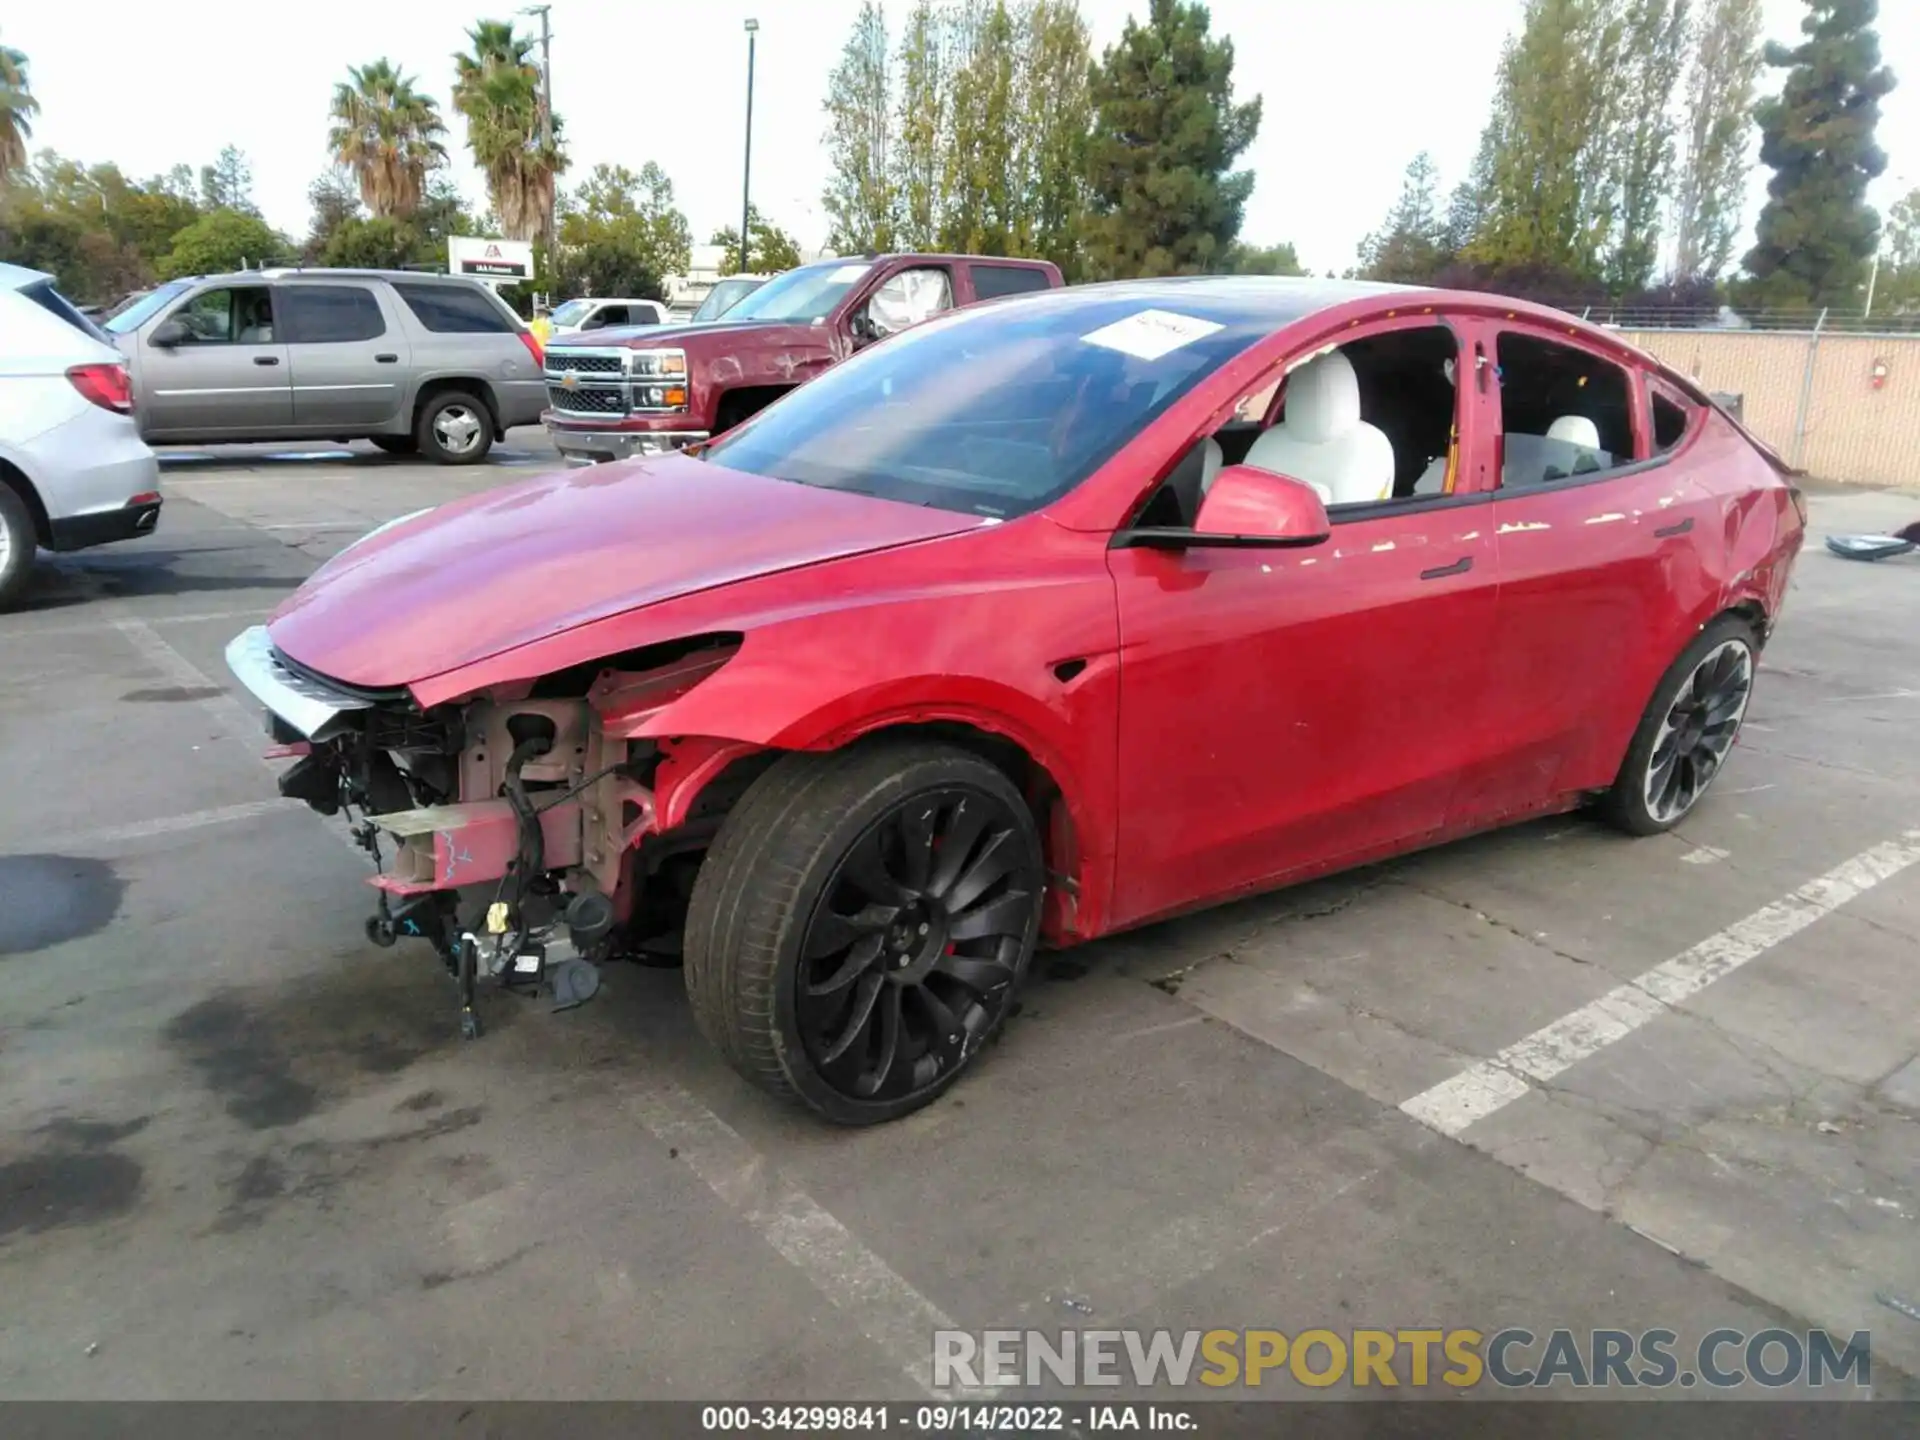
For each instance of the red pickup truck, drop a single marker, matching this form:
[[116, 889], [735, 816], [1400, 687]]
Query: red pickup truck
[[616, 393]]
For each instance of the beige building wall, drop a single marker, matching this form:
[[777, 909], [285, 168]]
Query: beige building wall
[[1851, 430]]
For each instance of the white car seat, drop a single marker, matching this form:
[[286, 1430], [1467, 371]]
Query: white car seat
[[1575, 430], [1323, 441], [1212, 457]]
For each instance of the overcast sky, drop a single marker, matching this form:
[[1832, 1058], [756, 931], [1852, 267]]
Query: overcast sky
[[1352, 90]]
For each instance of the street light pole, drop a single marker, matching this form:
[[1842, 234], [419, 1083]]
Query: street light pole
[[746, 169]]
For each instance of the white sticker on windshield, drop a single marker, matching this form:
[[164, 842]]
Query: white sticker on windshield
[[846, 274], [1151, 333]]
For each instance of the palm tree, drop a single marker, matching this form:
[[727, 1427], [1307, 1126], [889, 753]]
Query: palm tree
[[17, 109], [497, 88], [388, 134]]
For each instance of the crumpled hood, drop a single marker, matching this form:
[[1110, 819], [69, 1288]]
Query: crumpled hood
[[501, 569]]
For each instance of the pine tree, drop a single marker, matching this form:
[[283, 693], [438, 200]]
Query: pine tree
[[1817, 136], [1166, 133], [1713, 170], [1408, 245], [1058, 112], [921, 120], [860, 197], [1467, 206]]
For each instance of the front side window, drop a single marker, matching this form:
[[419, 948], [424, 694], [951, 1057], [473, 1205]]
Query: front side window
[[330, 314], [242, 315], [571, 313], [1564, 412], [996, 411], [909, 297], [802, 296]]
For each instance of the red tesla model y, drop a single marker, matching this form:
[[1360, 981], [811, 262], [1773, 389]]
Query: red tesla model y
[[1046, 618]]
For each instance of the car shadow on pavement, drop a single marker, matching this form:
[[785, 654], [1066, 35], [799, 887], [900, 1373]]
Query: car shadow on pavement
[[60, 581]]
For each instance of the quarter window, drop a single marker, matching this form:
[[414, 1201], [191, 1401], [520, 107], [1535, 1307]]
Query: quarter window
[[1669, 423], [1564, 413], [990, 282], [330, 314], [454, 309]]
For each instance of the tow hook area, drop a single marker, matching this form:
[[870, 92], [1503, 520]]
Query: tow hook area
[[517, 952]]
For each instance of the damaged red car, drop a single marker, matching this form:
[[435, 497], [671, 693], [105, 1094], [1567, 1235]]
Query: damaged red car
[[1044, 619]]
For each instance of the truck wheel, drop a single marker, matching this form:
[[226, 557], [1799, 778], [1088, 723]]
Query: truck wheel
[[455, 428], [17, 544], [862, 924]]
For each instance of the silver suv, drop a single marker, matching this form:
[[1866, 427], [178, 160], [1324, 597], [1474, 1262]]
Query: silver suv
[[434, 363]]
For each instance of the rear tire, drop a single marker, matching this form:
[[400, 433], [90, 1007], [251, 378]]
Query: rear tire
[[397, 444], [18, 545], [862, 924], [1687, 732], [455, 428]]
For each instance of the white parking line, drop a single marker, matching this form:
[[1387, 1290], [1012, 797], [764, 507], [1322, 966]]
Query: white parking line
[[889, 1311], [1454, 1104], [167, 825], [1703, 855]]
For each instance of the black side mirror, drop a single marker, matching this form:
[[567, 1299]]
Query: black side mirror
[[169, 333]]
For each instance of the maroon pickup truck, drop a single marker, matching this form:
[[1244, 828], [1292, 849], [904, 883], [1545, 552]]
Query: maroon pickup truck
[[617, 393]]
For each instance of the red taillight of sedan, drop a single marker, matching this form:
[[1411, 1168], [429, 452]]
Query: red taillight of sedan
[[108, 386]]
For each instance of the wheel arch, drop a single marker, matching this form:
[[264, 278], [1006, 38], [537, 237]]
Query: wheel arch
[[1076, 871], [435, 386], [15, 479]]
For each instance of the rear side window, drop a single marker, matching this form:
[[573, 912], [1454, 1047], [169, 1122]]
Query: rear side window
[[1670, 420], [329, 314], [454, 309], [1564, 412], [54, 303], [992, 281]]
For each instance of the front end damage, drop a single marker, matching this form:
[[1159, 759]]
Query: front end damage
[[529, 834]]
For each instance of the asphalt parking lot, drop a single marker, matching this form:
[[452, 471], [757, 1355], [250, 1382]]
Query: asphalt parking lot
[[244, 1154]]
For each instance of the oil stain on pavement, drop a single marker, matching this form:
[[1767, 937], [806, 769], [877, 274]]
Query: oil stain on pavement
[[77, 1178], [47, 900]]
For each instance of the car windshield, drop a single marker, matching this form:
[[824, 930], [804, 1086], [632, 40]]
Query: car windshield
[[806, 294], [571, 312], [723, 297], [991, 412], [144, 309]]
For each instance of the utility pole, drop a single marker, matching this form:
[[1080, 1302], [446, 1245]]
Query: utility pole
[[746, 176], [546, 112]]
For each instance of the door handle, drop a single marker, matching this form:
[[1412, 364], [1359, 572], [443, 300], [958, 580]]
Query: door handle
[[266, 359], [1667, 531], [386, 359], [1440, 572]]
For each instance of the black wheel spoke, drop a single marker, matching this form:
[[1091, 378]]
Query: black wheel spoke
[[983, 977], [964, 828], [948, 1032], [859, 959], [1003, 915], [866, 870], [858, 1018], [890, 1025], [918, 823], [996, 861], [833, 932]]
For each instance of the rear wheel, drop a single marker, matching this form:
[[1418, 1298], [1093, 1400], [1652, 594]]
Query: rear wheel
[[455, 428], [1687, 731], [862, 925], [17, 544], [397, 444]]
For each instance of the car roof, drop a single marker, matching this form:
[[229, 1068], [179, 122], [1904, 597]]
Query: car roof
[[322, 272], [19, 277], [1268, 300]]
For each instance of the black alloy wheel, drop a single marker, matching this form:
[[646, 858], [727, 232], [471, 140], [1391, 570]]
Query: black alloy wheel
[[863, 923], [1688, 730]]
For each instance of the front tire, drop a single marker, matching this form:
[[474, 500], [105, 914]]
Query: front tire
[[1687, 732], [18, 545], [862, 924], [455, 429]]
